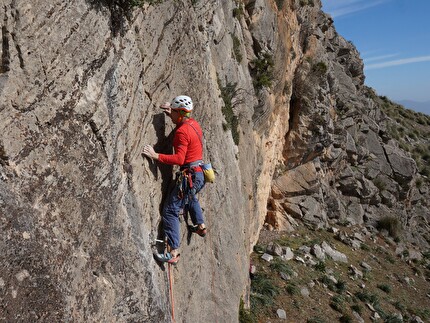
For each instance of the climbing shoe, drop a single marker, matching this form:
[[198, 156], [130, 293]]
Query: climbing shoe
[[200, 232], [161, 257]]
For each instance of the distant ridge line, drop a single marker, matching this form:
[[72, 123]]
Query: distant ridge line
[[417, 106]]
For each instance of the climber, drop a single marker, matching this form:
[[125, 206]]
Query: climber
[[188, 152]]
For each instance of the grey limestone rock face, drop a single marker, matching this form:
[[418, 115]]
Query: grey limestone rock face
[[334, 254], [281, 314], [80, 205], [274, 249], [80, 86], [318, 252], [302, 180], [404, 168], [288, 254]]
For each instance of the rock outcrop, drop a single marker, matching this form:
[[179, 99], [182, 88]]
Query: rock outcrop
[[276, 90], [341, 164]]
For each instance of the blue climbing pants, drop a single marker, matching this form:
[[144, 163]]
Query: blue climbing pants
[[186, 201]]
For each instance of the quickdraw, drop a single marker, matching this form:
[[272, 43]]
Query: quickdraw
[[184, 181]]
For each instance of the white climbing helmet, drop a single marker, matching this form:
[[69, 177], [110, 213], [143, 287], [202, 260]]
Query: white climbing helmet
[[182, 102]]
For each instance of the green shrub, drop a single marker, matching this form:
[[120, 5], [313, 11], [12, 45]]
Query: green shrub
[[228, 92], [364, 247], [380, 311], [259, 249], [120, 11], [425, 171], [340, 286], [264, 286], [426, 156], [392, 318], [422, 121], [326, 281], [420, 150], [379, 183], [280, 4], [281, 266], [345, 318], [238, 11], [287, 89], [367, 275], [319, 68], [419, 183], [317, 123], [293, 54], [315, 319], [4, 159], [423, 313], [391, 224], [245, 316], [399, 306], [262, 69], [306, 3], [292, 289], [366, 297], [384, 287], [320, 266], [237, 53], [390, 259], [393, 131], [403, 145], [125, 4], [260, 302], [357, 308], [136, 3], [337, 303], [263, 291]]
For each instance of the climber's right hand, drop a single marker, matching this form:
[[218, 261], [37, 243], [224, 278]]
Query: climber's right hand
[[166, 107]]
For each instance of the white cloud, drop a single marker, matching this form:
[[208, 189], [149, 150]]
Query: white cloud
[[378, 58], [338, 8], [398, 62]]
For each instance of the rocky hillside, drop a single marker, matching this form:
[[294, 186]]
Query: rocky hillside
[[291, 129], [349, 156], [342, 274]]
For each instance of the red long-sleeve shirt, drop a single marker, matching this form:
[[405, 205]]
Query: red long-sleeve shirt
[[187, 144]]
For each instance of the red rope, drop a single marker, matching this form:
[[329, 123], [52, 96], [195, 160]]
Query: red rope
[[212, 262], [172, 301]]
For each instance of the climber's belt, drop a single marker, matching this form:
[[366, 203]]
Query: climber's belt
[[193, 166]]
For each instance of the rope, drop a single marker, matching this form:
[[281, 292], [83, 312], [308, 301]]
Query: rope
[[172, 301], [213, 275]]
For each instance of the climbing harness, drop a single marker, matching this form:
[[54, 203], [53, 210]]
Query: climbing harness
[[184, 180]]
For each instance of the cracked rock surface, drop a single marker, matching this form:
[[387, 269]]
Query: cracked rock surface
[[286, 116]]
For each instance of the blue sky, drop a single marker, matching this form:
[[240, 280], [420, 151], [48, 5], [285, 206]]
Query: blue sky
[[393, 38]]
